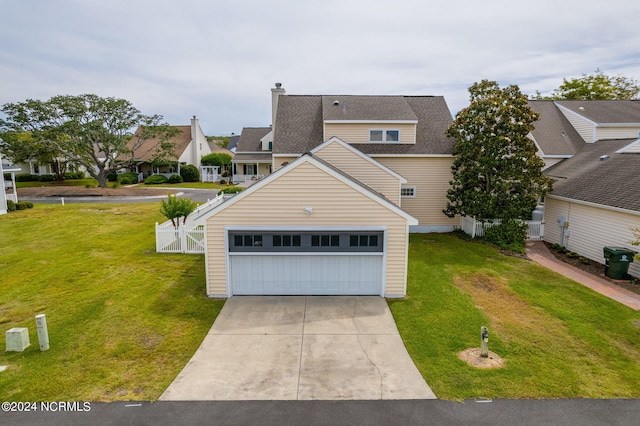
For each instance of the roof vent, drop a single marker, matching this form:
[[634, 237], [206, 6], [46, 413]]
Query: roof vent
[[278, 85], [336, 102], [604, 157], [581, 108]]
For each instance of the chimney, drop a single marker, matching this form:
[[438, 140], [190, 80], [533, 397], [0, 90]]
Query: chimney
[[275, 93], [196, 149]]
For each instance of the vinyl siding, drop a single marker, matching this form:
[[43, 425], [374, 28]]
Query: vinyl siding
[[585, 128], [280, 203], [617, 132], [359, 132], [430, 176], [278, 161], [370, 174], [591, 229]]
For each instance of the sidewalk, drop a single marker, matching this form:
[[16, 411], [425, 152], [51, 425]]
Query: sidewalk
[[539, 253]]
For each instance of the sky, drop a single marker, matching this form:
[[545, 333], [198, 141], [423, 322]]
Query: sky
[[218, 59]]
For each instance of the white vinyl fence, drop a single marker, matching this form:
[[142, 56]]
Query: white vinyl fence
[[475, 228]]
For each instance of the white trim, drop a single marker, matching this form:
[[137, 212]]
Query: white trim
[[561, 107], [596, 205], [625, 148], [362, 155], [408, 196], [305, 253], [371, 121], [557, 156], [384, 135], [298, 228]]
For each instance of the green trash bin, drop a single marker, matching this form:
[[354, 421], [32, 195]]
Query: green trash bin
[[617, 260]]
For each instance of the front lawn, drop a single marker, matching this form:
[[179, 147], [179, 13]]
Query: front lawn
[[559, 339], [122, 319]]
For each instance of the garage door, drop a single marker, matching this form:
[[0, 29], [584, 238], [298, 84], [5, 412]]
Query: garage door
[[306, 263]]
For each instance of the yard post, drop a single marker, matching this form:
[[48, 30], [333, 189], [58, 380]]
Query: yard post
[[43, 333], [484, 342]]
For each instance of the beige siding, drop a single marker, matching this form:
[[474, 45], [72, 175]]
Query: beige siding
[[370, 174], [585, 128], [278, 161], [359, 132], [591, 228], [280, 202], [634, 149], [617, 132], [431, 177]]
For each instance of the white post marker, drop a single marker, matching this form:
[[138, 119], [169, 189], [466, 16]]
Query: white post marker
[[43, 334], [484, 342]]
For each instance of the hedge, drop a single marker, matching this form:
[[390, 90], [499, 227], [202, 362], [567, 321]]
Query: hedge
[[155, 180]]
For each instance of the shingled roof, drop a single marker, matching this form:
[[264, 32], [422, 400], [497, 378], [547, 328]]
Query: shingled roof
[[300, 121], [597, 174], [605, 111], [250, 139], [553, 133], [147, 150]]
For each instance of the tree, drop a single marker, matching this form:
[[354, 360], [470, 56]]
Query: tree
[[496, 173], [596, 86], [219, 159], [175, 208], [87, 130], [20, 147], [636, 241]]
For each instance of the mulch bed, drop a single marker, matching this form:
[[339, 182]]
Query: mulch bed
[[79, 191], [596, 269]]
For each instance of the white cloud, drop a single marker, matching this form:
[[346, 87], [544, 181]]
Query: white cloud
[[218, 60]]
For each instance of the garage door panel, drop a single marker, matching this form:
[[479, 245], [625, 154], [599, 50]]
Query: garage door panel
[[306, 274]]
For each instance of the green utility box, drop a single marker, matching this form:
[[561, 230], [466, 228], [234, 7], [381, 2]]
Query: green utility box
[[617, 260]]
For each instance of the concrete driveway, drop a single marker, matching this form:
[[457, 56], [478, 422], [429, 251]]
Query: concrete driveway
[[301, 348]]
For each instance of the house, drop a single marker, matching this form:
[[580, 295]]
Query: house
[[405, 134], [338, 183], [190, 144], [595, 199]]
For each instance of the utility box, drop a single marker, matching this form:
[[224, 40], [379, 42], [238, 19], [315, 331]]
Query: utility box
[[17, 339], [617, 260]]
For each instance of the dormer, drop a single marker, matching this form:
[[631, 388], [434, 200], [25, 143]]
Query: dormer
[[267, 141], [369, 119]]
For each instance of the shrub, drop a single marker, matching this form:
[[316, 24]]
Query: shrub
[[112, 176], [23, 205], [155, 180], [11, 206], [190, 173], [572, 255], [231, 190], [25, 177], [216, 159], [510, 235], [47, 178], [72, 175], [128, 178], [175, 179], [223, 182]]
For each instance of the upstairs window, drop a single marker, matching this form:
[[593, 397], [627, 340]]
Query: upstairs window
[[384, 135]]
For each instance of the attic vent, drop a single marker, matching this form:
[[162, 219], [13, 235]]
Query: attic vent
[[604, 157], [336, 102]]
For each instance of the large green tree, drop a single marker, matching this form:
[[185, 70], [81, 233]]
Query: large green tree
[[596, 86], [496, 173], [20, 147], [87, 130]]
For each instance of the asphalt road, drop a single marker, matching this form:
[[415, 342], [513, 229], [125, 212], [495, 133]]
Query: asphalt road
[[199, 195], [569, 412]]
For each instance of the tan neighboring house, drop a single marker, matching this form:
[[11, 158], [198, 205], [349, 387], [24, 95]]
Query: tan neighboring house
[[595, 200], [252, 159], [190, 145]]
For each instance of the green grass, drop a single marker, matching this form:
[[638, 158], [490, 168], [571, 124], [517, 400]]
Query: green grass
[[559, 339], [122, 319], [196, 185]]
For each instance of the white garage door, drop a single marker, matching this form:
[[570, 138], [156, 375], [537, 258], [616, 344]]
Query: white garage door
[[306, 263]]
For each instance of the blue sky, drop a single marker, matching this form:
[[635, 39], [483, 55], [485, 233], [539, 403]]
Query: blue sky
[[219, 59]]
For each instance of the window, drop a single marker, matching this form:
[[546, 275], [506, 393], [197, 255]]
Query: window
[[325, 240], [384, 135], [363, 240], [408, 192], [286, 240], [247, 240]]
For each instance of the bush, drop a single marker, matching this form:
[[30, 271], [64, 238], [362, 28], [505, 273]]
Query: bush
[[510, 235], [128, 178], [223, 182], [72, 175], [11, 206], [112, 176], [156, 179], [175, 179], [47, 178], [25, 177], [231, 190], [23, 205], [190, 173], [216, 159]]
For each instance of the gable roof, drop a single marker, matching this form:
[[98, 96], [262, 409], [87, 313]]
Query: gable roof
[[553, 133], [317, 162], [300, 122], [249, 140], [597, 174], [605, 111], [148, 148]]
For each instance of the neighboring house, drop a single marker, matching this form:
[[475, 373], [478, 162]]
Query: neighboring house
[[233, 143], [252, 160], [595, 199], [190, 145]]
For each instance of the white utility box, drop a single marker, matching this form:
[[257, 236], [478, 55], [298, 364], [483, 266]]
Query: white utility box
[[17, 339]]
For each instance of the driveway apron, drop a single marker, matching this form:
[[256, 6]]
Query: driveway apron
[[301, 348]]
